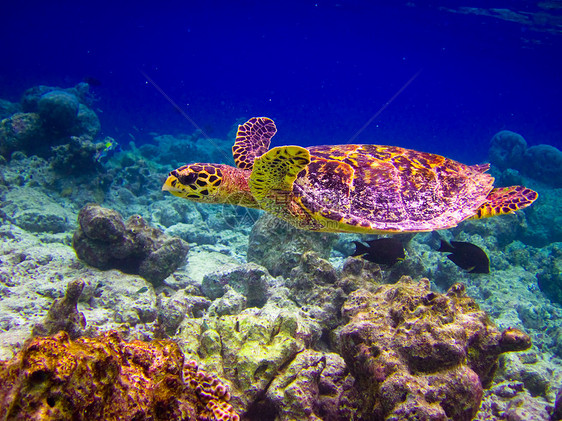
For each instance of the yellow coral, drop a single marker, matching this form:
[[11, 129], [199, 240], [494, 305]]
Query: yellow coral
[[106, 378]]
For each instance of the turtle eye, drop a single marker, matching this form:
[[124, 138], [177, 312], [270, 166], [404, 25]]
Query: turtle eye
[[187, 179]]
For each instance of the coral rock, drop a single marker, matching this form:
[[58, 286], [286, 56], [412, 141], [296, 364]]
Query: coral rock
[[249, 349], [315, 386], [544, 163], [422, 355], [104, 241], [250, 280], [105, 378], [63, 314], [18, 132], [87, 122], [557, 412], [77, 157], [507, 149], [312, 288], [278, 246], [59, 110]]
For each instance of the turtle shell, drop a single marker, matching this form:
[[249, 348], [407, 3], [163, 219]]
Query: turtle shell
[[368, 188]]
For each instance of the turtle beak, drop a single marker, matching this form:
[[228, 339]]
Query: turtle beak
[[170, 184]]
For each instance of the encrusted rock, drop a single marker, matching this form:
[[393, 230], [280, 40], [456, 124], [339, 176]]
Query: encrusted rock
[[507, 150], [557, 412], [33, 210], [509, 400], [231, 303], [87, 122], [420, 354], [312, 286], [18, 132], [58, 109], [76, 157], [63, 314], [314, 386], [544, 163], [250, 280], [108, 379], [173, 310], [104, 241], [278, 246], [250, 348], [359, 273]]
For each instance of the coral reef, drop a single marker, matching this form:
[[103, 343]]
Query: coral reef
[[314, 386], [417, 353], [508, 152], [64, 315], [78, 156], [549, 276], [313, 286], [59, 110], [250, 280], [50, 117], [18, 132], [557, 411], [105, 378], [275, 333], [8, 108], [544, 221], [509, 400], [544, 163], [249, 349], [104, 241], [278, 246]]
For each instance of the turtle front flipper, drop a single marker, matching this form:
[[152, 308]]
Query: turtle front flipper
[[252, 140], [504, 200], [272, 178]]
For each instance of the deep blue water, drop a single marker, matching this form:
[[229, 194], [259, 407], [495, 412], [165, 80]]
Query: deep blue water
[[320, 69]]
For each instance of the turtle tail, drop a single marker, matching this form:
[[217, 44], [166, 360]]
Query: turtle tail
[[504, 200]]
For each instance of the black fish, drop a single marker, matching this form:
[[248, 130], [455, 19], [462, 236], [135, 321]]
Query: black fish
[[384, 251], [467, 256]]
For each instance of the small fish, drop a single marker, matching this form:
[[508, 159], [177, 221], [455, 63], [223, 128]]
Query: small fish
[[143, 289], [383, 251], [106, 150], [466, 256]]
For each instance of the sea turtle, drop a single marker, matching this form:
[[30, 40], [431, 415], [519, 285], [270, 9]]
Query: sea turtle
[[347, 188]]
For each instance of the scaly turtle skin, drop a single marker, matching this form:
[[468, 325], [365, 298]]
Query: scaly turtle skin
[[347, 188]]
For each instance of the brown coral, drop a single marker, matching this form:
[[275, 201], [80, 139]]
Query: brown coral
[[419, 354], [64, 314], [105, 241], [105, 378]]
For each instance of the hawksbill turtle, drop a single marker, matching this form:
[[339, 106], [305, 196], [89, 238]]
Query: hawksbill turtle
[[370, 189]]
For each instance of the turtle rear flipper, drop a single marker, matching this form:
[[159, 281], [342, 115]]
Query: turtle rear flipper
[[273, 176], [504, 200]]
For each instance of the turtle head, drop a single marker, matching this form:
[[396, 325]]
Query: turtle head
[[211, 183], [198, 182]]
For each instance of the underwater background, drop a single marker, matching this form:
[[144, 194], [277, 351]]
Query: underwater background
[[169, 309]]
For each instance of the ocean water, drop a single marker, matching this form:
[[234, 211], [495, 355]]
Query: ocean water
[[444, 77], [100, 101]]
